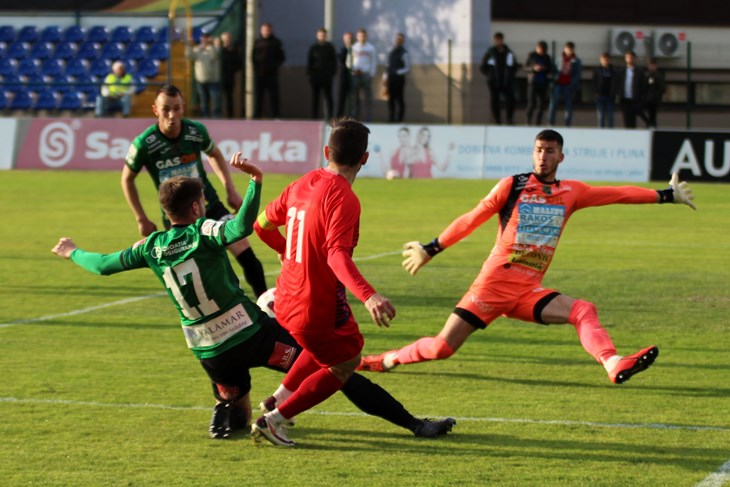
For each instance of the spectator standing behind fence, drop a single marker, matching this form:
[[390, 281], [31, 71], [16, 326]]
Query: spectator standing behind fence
[[399, 64], [567, 84], [207, 71], [321, 70], [630, 89], [604, 85], [231, 62], [539, 68], [116, 92], [268, 56], [344, 58], [364, 64], [499, 66], [655, 88]]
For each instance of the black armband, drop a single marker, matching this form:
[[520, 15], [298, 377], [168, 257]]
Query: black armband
[[666, 195], [432, 248]]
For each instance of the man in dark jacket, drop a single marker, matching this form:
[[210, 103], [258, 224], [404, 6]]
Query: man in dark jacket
[[630, 87], [231, 62], [399, 64], [321, 70], [499, 66], [539, 67], [344, 57], [604, 86], [655, 88], [267, 56]]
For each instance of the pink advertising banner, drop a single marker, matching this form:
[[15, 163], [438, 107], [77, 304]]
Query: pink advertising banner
[[101, 144]]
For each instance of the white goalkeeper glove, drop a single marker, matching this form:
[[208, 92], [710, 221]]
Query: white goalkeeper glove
[[418, 255], [682, 192]]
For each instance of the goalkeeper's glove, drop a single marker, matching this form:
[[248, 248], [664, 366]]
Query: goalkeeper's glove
[[417, 255], [678, 192]]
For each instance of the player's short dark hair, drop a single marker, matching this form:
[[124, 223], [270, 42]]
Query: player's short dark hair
[[178, 193], [169, 90], [348, 141], [549, 135]]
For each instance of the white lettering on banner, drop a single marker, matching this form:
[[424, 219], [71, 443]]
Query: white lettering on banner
[[98, 146], [217, 330], [266, 149], [687, 159], [56, 144]]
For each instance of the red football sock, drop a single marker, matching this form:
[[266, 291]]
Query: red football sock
[[424, 349], [594, 338], [315, 389], [303, 367]]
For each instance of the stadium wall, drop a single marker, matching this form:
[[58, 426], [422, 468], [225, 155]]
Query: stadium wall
[[470, 152]]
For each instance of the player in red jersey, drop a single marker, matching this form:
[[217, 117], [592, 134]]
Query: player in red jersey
[[533, 209], [322, 216]]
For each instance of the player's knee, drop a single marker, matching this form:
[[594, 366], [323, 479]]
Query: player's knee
[[440, 349], [227, 394], [581, 310]]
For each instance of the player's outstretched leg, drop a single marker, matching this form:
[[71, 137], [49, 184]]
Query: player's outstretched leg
[[422, 350], [633, 364]]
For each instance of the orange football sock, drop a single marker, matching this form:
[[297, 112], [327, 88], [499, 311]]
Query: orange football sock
[[424, 349], [593, 337]]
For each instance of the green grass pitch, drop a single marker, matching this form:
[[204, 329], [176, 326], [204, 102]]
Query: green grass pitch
[[98, 387]]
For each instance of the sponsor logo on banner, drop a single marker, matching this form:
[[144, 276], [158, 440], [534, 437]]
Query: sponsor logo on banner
[[696, 156], [98, 144]]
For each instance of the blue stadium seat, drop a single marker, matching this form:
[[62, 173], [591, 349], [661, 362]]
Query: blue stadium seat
[[98, 33], [163, 32], [159, 51], [3, 49], [76, 67], [34, 82], [63, 83], [135, 51], [22, 100], [8, 66], [145, 33], [89, 102], [28, 33], [45, 100], [71, 100], [41, 50], [149, 68], [74, 33], [87, 84], [7, 33], [51, 33], [65, 50], [11, 82], [53, 67], [28, 67], [100, 67], [112, 51], [89, 50], [121, 34], [3, 99], [18, 50]]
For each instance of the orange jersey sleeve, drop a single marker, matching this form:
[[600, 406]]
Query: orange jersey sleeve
[[613, 195], [485, 209]]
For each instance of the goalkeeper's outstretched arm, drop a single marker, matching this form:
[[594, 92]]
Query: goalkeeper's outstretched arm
[[678, 192]]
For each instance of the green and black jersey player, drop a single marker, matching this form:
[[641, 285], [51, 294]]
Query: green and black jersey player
[[224, 329], [173, 147]]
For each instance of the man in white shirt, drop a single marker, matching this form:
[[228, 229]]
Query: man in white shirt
[[364, 66]]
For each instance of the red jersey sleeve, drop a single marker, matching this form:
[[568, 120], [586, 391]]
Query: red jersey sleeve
[[341, 239], [485, 209]]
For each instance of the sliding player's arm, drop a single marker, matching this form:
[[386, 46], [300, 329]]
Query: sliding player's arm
[[101, 264], [416, 254], [242, 226]]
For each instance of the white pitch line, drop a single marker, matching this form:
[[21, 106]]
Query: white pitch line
[[718, 478], [141, 298], [547, 422]]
